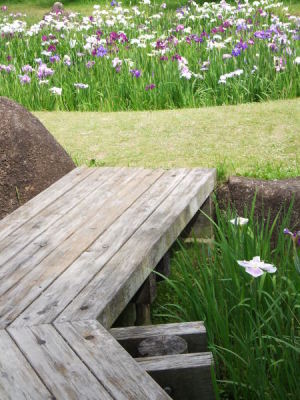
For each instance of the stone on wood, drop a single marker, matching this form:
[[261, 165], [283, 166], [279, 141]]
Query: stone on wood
[[162, 345], [194, 333], [30, 158]]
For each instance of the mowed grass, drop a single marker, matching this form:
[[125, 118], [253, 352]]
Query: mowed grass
[[258, 139]]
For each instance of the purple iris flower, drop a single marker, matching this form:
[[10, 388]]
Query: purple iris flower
[[101, 51], [24, 79], [135, 73], [236, 52], [123, 38], [113, 36], [150, 87], [294, 235], [160, 44], [54, 58], [90, 64], [176, 57], [52, 47], [263, 34]]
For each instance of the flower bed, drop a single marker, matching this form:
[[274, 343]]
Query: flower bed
[[149, 57]]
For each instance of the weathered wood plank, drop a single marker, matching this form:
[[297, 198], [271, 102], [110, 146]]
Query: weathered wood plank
[[19, 297], [187, 376], [111, 289], [109, 362], [22, 214], [61, 293], [64, 374], [32, 229], [18, 381], [194, 333], [50, 240]]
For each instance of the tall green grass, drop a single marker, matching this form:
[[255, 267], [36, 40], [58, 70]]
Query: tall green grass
[[253, 324]]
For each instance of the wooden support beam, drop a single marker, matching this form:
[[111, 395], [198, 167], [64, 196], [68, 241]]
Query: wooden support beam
[[143, 314], [163, 267], [183, 376], [127, 317], [193, 333], [200, 226], [147, 292]]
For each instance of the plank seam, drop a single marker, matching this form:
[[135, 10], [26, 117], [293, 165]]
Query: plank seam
[[37, 250], [76, 257], [83, 362], [33, 216], [149, 215], [36, 372]]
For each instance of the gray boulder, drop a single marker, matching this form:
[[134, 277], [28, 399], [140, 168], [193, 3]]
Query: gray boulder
[[30, 158]]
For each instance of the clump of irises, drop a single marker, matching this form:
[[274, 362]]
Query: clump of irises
[[210, 53]]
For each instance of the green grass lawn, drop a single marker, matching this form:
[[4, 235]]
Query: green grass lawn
[[258, 139]]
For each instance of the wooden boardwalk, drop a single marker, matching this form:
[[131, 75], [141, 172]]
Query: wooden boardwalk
[[70, 261]]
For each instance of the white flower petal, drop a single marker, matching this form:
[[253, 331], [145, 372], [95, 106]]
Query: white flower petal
[[244, 263], [268, 268], [254, 271]]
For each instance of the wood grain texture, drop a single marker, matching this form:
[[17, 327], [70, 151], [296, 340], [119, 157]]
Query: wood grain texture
[[83, 248], [109, 292], [20, 296], [22, 214], [18, 381], [64, 374], [53, 300], [109, 362], [42, 218], [194, 333], [90, 200]]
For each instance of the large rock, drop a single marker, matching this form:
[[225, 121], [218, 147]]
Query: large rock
[[30, 158], [271, 196]]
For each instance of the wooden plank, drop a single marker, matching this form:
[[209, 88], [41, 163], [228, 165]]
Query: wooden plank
[[32, 229], [22, 214], [19, 297], [64, 374], [194, 333], [53, 300], [187, 376], [111, 289], [35, 252], [18, 381], [109, 362]]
